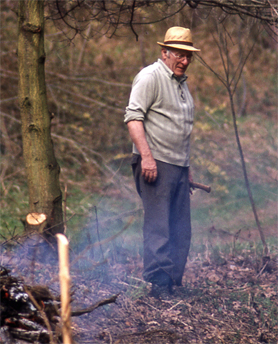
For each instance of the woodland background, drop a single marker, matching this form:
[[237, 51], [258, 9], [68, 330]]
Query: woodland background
[[88, 83]]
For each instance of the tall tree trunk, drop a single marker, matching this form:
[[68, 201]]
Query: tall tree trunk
[[41, 166]]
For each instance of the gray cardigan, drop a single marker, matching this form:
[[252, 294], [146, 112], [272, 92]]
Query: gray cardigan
[[164, 103]]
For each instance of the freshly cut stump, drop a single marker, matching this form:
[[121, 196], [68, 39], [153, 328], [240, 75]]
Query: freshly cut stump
[[36, 221]]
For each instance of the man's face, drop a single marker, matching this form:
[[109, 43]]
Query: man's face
[[177, 60]]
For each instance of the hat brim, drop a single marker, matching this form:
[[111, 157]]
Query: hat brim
[[179, 46]]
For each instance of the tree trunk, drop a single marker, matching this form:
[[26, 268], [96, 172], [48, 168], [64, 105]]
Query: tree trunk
[[41, 166]]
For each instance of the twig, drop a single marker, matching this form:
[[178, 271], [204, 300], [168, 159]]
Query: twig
[[139, 279], [110, 337], [114, 108], [90, 309], [76, 78], [262, 270], [98, 236], [175, 305], [10, 117], [129, 285], [148, 333], [151, 306]]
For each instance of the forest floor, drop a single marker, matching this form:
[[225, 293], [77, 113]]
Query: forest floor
[[224, 299]]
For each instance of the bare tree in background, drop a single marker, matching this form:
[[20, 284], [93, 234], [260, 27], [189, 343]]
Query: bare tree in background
[[232, 69]]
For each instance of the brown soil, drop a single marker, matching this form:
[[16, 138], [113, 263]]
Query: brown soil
[[223, 300]]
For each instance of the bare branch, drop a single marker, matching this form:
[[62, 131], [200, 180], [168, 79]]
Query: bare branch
[[131, 20], [111, 14], [90, 309]]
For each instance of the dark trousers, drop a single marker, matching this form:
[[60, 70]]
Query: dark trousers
[[167, 225]]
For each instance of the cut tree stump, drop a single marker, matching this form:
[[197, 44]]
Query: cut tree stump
[[36, 222]]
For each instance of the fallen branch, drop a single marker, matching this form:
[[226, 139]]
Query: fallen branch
[[90, 309]]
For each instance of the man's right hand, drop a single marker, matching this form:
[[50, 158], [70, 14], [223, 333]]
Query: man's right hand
[[149, 169], [148, 164]]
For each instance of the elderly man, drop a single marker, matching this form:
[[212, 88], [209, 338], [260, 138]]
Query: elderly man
[[159, 118]]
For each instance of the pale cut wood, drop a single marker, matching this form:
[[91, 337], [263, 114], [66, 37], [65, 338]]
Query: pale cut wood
[[35, 218], [64, 275], [36, 221]]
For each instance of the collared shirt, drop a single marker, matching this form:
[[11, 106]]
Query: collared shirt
[[164, 103]]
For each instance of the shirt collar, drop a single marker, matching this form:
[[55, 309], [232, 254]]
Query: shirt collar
[[170, 73]]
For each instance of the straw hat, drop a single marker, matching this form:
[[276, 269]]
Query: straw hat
[[179, 38]]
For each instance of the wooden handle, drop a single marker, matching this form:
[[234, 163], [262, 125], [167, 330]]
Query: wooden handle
[[200, 186]]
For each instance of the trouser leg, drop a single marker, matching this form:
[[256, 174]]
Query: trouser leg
[[180, 226], [165, 243]]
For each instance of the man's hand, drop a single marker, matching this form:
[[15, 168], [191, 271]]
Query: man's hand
[[148, 164], [149, 169]]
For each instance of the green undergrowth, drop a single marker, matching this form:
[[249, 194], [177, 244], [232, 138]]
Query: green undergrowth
[[96, 216]]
